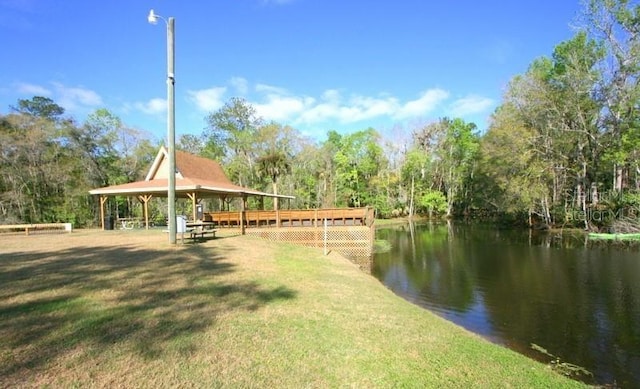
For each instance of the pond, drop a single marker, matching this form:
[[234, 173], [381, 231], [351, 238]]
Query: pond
[[529, 291]]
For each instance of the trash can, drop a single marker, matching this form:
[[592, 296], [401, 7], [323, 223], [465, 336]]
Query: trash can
[[108, 222], [181, 223]]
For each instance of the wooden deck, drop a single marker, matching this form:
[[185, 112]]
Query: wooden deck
[[348, 230], [293, 218]]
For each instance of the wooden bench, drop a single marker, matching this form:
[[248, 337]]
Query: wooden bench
[[37, 226]]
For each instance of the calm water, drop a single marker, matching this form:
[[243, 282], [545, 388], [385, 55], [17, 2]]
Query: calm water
[[579, 301]]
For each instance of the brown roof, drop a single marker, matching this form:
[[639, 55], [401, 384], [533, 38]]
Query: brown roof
[[200, 168], [194, 174]]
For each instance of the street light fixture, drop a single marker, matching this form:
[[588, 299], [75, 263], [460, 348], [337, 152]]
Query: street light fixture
[[152, 18], [171, 122]]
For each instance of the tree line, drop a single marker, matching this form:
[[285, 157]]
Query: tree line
[[561, 149]]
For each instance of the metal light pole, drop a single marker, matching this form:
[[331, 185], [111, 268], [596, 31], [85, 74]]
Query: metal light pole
[[171, 121]]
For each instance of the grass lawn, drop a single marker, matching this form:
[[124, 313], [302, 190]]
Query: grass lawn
[[126, 309]]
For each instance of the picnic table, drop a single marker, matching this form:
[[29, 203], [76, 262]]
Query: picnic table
[[128, 223], [201, 228]]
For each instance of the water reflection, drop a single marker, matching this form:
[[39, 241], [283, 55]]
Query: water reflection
[[579, 301]]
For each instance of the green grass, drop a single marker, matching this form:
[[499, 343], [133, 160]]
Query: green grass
[[98, 309], [391, 222], [613, 236]]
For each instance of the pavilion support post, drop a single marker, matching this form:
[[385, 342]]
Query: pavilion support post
[[103, 200], [194, 201], [243, 214], [275, 198], [144, 199]]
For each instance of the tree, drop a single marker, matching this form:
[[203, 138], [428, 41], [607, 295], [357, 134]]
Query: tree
[[515, 174], [433, 201], [231, 135], [310, 179], [328, 172], [109, 153], [457, 155], [274, 164], [95, 143], [358, 159], [193, 144], [451, 147], [554, 106], [38, 106], [616, 25], [33, 168], [555, 100], [414, 175], [274, 161]]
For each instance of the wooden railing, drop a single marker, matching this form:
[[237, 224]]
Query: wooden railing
[[294, 218]]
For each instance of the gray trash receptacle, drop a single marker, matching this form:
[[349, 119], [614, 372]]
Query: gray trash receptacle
[[108, 222], [181, 224]]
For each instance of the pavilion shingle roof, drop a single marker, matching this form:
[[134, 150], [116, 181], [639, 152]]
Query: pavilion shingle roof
[[199, 168], [199, 174]]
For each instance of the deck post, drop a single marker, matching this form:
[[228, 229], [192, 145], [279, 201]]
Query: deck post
[[103, 199], [243, 211], [324, 239]]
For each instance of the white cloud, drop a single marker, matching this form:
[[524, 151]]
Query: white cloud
[[32, 89], [333, 107], [241, 85], [319, 113], [331, 95], [470, 105], [426, 103], [278, 104], [362, 108], [68, 97], [283, 108], [152, 107], [357, 108], [208, 99], [270, 90], [72, 98]]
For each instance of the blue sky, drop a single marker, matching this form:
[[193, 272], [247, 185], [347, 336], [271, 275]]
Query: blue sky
[[316, 65]]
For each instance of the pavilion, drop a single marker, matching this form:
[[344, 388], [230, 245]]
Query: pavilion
[[196, 178]]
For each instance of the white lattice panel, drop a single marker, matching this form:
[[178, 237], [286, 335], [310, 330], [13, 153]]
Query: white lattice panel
[[351, 241]]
